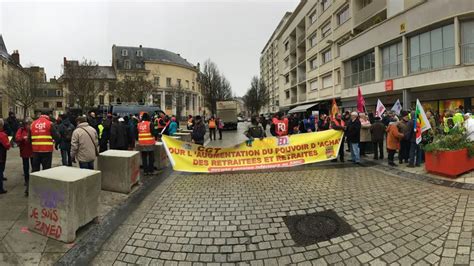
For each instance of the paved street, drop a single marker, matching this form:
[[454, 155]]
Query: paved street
[[239, 217]]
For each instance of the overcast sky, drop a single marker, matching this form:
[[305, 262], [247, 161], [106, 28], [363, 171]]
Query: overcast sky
[[231, 33]]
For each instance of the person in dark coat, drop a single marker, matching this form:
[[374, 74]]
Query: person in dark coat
[[65, 130], [415, 152], [353, 136], [403, 128], [4, 147], [105, 137], [263, 122], [119, 139], [199, 131], [377, 132]]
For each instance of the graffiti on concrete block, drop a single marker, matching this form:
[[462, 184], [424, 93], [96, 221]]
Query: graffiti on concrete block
[[46, 222], [49, 198]]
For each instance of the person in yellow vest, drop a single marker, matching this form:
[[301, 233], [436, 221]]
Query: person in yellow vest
[[212, 128], [43, 134], [146, 140]]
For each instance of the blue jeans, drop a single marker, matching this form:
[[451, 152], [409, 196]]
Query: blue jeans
[[86, 165], [415, 154], [355, 152], [66, 157]]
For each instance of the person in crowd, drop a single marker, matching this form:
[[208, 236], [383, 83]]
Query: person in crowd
[[199, 131], [263, 121], [42, 135], [431, 119], [377, 133], [254, 131], [119, 137], [387, 117], [173, 127], [324, 122], [347, 119], [279, 126], [469, 126], [402, 125], [65, 130], [220, 127], [312, 124], [393, 141], [104, 135], [415, 153], [365, 137], [159, 124], [146, 140], [93, 122], [133, 130], [371, 118], [164, 125], [353, 136], [448, 122], [338, 123], [306, 125], [22, 138], [190, 122], [84, 144], [212, 128], [11, 126], [4, 147], [293, 124]]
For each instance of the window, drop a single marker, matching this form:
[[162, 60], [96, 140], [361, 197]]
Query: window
[[343, 15], [45, 104], [192, 84], [327, 81], [179, 83], [58, 93], [431, 50], [287, 94], [338, 76], [467, 42], [126, 64], [45, 92], [168, 101], [313, 17], [139, 53], [156, 81], [168, 82], [124, 52], [392, 59], [326, 29], [313, 40], [157, 99], [313, 85], [360, 70], [187, 84], [287, 45], [287, 62], [111, 99], [327, 56], [59, 104], [313, 63], [101, 99], [287, 79], [365, 3], [326, 4]]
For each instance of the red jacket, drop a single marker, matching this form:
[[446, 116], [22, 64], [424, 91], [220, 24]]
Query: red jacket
[[4, 146], [23, 140]]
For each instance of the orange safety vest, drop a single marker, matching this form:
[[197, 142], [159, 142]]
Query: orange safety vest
[[212, 123], [144, 134], [337, 123], [281, 126], [41, 139]]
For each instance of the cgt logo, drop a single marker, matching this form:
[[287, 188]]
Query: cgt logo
[[283, 141], [40, 126], [142, 127]]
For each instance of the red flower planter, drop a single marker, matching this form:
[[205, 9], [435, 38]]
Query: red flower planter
[[449, 163]]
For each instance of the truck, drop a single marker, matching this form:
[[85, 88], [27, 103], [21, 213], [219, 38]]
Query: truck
[[227, 111]]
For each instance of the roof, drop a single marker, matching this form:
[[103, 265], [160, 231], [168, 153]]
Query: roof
[[149, 54], [302, 108], [277, 30], [3, 49], [106, 72]]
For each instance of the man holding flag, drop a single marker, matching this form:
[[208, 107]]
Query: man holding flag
[[417, 125]]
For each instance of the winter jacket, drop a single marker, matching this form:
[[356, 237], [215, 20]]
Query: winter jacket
[[393, 137], [403, 128], [365, 131], [199, 131], [12, 126], [377, 131], [4, 146], [64, 128], [353, 131], [22, 138], [83, 146], [172, 128], [119, 137], [411, 131]]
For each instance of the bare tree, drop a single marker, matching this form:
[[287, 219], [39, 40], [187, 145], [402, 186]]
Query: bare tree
[[134, 89], [257, 96], [80, 78], [215, 86], [21, 88]]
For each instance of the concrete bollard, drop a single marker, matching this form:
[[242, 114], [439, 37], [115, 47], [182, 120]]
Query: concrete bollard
[[61, 200], [184, 136], [120, 170], [161, 158]]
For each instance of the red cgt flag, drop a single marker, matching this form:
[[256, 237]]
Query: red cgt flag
[[360, 102]]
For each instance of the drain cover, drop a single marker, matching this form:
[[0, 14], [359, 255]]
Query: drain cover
[[312, 228]]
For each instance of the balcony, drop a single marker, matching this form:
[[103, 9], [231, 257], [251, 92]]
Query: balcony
[[467, 51], [362, 14], [358, 78], [432, 60], [302, 78], [293, 82]]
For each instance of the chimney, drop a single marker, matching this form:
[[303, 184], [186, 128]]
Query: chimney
[[178, 54], [64, 61], [16, 56], [140, 46]]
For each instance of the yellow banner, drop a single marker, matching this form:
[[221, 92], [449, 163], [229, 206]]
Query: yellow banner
[[268, 153]]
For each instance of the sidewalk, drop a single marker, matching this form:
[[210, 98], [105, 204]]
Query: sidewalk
[[19, 246]]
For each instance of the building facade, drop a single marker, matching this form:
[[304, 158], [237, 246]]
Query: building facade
[[391, 49], [176, 86]]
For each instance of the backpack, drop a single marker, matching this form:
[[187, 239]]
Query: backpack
[[256, 132]]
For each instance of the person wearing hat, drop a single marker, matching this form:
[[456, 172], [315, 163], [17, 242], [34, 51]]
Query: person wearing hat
[[377, 132], [199, 131], [173, 126], [119, 135]]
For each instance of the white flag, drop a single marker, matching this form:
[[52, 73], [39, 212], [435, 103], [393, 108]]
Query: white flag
[[397, 107], [380, 109]]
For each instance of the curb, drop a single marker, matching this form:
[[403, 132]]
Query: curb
[[89, 246]]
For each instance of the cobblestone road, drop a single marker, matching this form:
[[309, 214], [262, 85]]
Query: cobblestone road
[[238, 218]]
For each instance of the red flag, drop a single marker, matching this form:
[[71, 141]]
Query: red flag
[[360, 102], [334, 108]]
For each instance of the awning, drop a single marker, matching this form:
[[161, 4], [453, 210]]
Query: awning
[[302, 108]]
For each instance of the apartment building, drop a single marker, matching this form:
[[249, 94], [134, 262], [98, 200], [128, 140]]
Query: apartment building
[[423, 50]]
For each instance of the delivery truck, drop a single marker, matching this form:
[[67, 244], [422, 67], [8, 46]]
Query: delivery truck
[[227, 112]]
